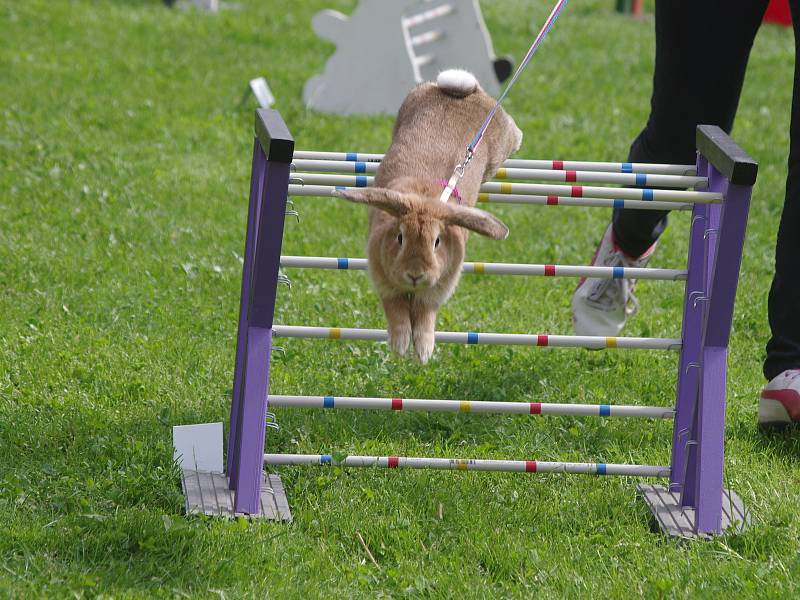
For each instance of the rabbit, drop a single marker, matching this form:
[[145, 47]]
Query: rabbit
[[416, 242]]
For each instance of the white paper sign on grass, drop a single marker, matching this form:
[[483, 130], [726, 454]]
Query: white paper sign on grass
[[262, 92], [198, 447]]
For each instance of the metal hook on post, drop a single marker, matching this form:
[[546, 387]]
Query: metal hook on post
[[693, 365], [696, 294]]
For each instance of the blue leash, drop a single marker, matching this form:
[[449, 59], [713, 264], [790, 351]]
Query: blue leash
[[458, 172]]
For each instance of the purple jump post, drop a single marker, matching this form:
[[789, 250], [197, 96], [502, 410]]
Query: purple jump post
[[717, 232], [272, 156]]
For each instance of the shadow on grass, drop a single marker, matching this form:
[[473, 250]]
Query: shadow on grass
[[774, 442]]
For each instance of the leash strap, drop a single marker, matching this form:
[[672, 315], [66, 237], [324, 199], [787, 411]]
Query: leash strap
[[456, 195], [458, 172]]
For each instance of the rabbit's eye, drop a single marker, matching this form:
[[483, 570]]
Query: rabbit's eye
[[436, 243], [400, 238]]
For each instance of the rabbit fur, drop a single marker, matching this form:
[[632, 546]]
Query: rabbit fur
[[416, 242]]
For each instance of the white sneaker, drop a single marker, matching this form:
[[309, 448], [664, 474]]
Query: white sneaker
[[601, 306], [780, 400]]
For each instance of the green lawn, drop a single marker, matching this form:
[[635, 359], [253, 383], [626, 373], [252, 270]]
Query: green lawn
[[124, 169]]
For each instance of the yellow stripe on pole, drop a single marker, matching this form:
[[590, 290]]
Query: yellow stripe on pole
[[483, 197], [611, 342], [505, 188], [501, 174], [465, 406], [461, 464], [335, 333], [480, 267]]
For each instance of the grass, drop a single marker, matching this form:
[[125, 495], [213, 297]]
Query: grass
[[124, 159]]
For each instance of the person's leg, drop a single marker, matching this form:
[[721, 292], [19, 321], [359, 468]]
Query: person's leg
[[702, 47], [780, 400]]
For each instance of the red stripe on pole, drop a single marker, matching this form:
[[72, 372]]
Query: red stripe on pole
[[536, 408], [397, 404], [393, 462], [558, 165], [549, 270], [571, 176], [530, 466], [552, 200], [541, 340], [577, 191]]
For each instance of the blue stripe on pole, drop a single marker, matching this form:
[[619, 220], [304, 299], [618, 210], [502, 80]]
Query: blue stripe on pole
[[352, 156], [641, 179], [472, 338], [361, 181], [601, 469], [605, 410], [618, 203], [325, 459], [342, 263], [627, 168], [341, 187], [647, 195], [327, 402], [361, 167], [618, 272]]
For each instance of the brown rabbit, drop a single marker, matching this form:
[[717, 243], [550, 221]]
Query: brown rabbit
[[416, 242]]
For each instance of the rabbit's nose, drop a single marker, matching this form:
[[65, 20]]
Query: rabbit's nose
[[413, 278]]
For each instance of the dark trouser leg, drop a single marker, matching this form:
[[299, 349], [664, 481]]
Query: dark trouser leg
[[783, 349], [702, 47]]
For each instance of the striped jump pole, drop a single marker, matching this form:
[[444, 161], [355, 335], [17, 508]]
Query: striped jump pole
[[328, 190], [471, 406], [481, 268], [520, 163], [487, 339], [637, 179], [468, 464], [694, 501], [575, 191]]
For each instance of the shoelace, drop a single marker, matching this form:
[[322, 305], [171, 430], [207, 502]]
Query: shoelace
[[605, 291]]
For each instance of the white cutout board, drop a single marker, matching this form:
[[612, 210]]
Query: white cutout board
[[387, 46], [211, 5]]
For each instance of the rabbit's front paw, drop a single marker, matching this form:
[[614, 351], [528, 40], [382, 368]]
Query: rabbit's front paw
[[400, 339], [423, 345]]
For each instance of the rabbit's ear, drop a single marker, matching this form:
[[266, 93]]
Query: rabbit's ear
[[395, 203], [477, 220]]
